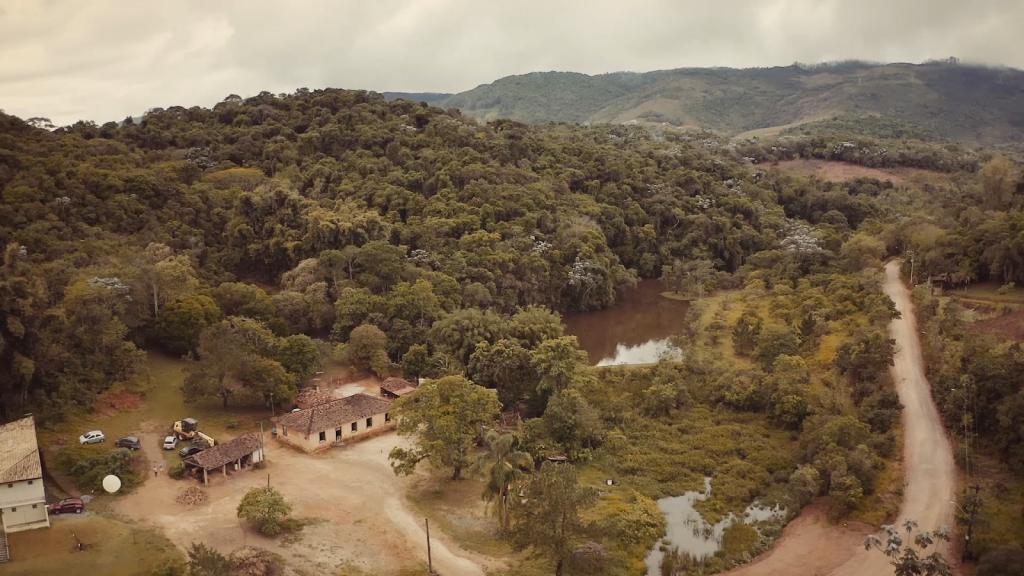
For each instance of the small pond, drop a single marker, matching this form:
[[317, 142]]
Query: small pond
[[694, 535], [635, 330]]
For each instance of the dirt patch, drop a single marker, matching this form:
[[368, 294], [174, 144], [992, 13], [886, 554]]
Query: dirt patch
[[366, 522], [836, 171], [110, 403], [1009, 326], [809, 545]]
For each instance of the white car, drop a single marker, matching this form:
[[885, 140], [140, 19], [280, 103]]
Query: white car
[[170, 443], [92, 437]]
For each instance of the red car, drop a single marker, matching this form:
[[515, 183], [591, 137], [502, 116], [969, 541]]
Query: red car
[[68, 505]]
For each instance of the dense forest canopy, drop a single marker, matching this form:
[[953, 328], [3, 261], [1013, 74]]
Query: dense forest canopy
[[322, 210]]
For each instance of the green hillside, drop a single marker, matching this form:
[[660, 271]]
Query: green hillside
[[966, 103]]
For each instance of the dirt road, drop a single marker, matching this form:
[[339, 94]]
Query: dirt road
[[928, 461], [362, 522]]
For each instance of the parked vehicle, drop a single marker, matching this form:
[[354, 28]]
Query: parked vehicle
[[186, 428], [190, 450], [170, 443], [92, 437], [129, 442], [68, 505]]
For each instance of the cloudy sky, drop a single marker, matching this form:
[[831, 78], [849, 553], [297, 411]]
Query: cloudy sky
[[106, 59]]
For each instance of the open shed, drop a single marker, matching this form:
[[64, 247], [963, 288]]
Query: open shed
[[239, 453]]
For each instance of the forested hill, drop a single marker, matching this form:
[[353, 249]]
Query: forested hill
[[965, 103]]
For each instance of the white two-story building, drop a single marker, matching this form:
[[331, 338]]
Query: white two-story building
[[22, 498]]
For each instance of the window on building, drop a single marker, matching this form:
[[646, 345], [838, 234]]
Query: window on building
[[369, 422], [387, 417], [34, 506], [10, 485], [14, 509], [323, 436], [30, 482], [354, 427]]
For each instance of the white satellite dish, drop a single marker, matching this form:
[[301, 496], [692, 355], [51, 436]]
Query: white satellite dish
[[111, 483]]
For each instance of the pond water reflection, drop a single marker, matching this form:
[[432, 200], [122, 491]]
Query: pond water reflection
[[687, 529], [635, 330]]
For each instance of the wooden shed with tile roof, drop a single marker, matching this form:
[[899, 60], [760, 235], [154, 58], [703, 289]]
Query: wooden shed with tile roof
[[396, 387], [239, 453]]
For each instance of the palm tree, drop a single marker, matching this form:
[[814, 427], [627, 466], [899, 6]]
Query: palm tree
[[503, 466]]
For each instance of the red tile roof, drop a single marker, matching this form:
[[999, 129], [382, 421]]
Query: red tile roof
[[398, 386], [333, 414]]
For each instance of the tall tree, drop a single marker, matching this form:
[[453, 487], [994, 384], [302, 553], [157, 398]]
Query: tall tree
[[504, 465], [549, 519], [445, 416]]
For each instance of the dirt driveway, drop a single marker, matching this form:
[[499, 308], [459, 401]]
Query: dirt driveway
[[811, 549], [363, 520]]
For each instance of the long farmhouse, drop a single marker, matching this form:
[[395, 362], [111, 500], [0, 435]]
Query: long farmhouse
[[331, 422]]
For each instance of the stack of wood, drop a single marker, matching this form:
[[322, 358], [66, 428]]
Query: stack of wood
[[191, 496]]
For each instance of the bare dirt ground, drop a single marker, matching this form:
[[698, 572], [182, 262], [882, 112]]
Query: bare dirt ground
[[837, 171], [807, 547], [362, 520]]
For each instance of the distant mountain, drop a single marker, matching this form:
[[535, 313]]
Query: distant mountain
[[972, 104], [428, 97]]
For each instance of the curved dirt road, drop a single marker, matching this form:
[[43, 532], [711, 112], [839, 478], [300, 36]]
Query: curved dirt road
[[809, 548]]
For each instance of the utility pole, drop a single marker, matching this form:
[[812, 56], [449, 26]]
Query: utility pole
[[430, 562], [912, 255], [974, 503]]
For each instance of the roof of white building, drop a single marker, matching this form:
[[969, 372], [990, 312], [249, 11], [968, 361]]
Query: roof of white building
[[19, 451]]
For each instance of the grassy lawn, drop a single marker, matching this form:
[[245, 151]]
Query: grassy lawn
[[110, 548], [161, 404]]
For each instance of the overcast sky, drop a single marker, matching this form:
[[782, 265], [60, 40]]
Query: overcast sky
[[106, 59]]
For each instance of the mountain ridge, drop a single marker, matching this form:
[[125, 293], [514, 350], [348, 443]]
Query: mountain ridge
[[966, 103]]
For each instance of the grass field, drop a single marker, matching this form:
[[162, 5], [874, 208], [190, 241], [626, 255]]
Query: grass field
[[110, 548]]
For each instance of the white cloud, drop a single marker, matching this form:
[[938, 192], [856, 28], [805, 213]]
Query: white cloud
[[106, 59]]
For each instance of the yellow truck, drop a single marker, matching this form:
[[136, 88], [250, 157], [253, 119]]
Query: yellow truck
[[188, 429]]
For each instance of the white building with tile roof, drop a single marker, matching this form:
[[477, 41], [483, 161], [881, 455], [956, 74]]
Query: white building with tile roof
[[22, 498]]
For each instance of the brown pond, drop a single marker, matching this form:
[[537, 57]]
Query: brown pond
[[635, 330]]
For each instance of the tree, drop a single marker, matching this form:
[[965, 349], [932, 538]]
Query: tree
[[745, 332], [904, 558], [572, 422], [366, 347], [182, 321], [774, 340], [299, 355], [459, 333], [804, 485], [558, 361], [241, 299], [507, 367], [548, 520], [504, 465], [263, 509], [1004, 561], [233, 353], [862, 251], [446, 416], [416, 362], [205, 561], [535, 324]]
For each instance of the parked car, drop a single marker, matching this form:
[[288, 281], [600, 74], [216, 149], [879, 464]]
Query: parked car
[[190, 450], [129, 442], [68, 505], [92, 437], [170, 443]]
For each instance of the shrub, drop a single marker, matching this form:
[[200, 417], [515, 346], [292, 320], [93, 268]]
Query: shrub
[[264, 508], [1004, 561], [176, 471], [89, 465]]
